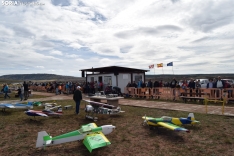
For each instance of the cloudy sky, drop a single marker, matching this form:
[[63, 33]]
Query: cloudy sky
[[64, 36]]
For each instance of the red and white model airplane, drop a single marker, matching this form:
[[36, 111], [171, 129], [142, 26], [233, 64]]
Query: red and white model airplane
[[44, 113]]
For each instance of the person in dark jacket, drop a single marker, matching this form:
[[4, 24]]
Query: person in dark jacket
[[150, 84], [191, 85], [25, 90], [173, 83], [77, 97]]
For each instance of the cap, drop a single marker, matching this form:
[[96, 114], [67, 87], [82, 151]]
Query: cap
[[78, 87]]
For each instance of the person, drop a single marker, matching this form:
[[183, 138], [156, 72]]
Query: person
[[191, 85], [95, 85], [210, 84], [139, 83], [101, 86], [6, 89], [56, 88], [173, 83], [129, 84], [134, 84], [25, 90], [108, 89], [198, 87], [77, 97], [67, 88], [150, 84], [184, 84], [20, 93], [219, 84]]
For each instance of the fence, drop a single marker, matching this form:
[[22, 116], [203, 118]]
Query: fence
[[175, 93]]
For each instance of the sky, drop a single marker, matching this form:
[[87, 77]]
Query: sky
[[64, 36]]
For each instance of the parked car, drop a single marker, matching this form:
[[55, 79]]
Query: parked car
[[230, 81], [203, 82]]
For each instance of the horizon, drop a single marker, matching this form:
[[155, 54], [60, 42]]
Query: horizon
[[62, 37]]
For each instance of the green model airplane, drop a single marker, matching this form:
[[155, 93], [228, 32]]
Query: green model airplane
[[93, 136]]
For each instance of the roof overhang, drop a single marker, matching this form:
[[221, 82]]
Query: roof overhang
[[111, 69]]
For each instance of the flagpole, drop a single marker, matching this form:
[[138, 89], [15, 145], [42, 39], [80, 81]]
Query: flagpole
[[154, 74], [173, 70], [162, 71]]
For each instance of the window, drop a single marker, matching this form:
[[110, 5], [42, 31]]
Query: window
[[107, 80], [138, 78]]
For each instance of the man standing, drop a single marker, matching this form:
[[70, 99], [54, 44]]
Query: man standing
[[173, 83], [149, 84], [25, 90], [77, 97]]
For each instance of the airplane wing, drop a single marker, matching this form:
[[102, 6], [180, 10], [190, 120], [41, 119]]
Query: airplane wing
[[9, 106], [172, 127], [41, 114], [87, 128], [95, 140]]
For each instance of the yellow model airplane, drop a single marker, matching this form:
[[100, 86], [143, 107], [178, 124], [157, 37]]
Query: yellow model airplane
[[170, 122]]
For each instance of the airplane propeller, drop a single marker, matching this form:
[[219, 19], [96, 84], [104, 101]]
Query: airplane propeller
[[145, 121]]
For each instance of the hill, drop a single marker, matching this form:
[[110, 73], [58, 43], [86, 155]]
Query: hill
[[39, 77]]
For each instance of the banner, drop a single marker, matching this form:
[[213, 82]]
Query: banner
[[160, 65], [151, 66], [170, 64]]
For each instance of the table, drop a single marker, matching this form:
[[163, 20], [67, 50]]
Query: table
[[185, 98], [112, 100], [194, 94]]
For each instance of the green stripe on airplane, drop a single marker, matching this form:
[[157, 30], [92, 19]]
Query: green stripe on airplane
[[70, 134]]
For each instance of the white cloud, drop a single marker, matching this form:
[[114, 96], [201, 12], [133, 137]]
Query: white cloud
[[56, 52], [196, 35], [40, 67]]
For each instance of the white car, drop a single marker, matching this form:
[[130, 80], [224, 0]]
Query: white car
[[203, 82]]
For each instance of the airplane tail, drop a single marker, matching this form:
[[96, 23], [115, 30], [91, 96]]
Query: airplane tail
[[30, 104], [60, 110], [191, 117], [43, 139]]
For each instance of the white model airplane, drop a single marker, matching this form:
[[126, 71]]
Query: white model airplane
[[5, 106], [51, 106], [100, 108], [93, 136]]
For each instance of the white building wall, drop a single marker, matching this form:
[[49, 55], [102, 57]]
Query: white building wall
[[123, 79], [105, 83]]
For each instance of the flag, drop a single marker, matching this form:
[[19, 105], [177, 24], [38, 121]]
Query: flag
[[160, 65], [151, 66], [170, 64]]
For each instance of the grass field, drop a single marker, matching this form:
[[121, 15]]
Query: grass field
[[12, 97], [213, 136]]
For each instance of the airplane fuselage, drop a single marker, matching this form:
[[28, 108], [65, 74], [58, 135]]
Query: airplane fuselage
[[176, 121]]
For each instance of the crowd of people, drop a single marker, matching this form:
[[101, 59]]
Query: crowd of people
[[192, 84]]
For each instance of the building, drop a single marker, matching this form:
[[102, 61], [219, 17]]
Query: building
[[114, 75]]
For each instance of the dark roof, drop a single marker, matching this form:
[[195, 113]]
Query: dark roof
[[111, 69]]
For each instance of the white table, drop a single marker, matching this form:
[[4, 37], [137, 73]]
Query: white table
[[112, 100]]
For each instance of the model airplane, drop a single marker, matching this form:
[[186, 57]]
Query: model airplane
[[51, 106], [37, 103], [44, 113], [5, 106], [93, 136], [170, 122], [100, 108]]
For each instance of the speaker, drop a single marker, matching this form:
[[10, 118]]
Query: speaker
[[116, 73]]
